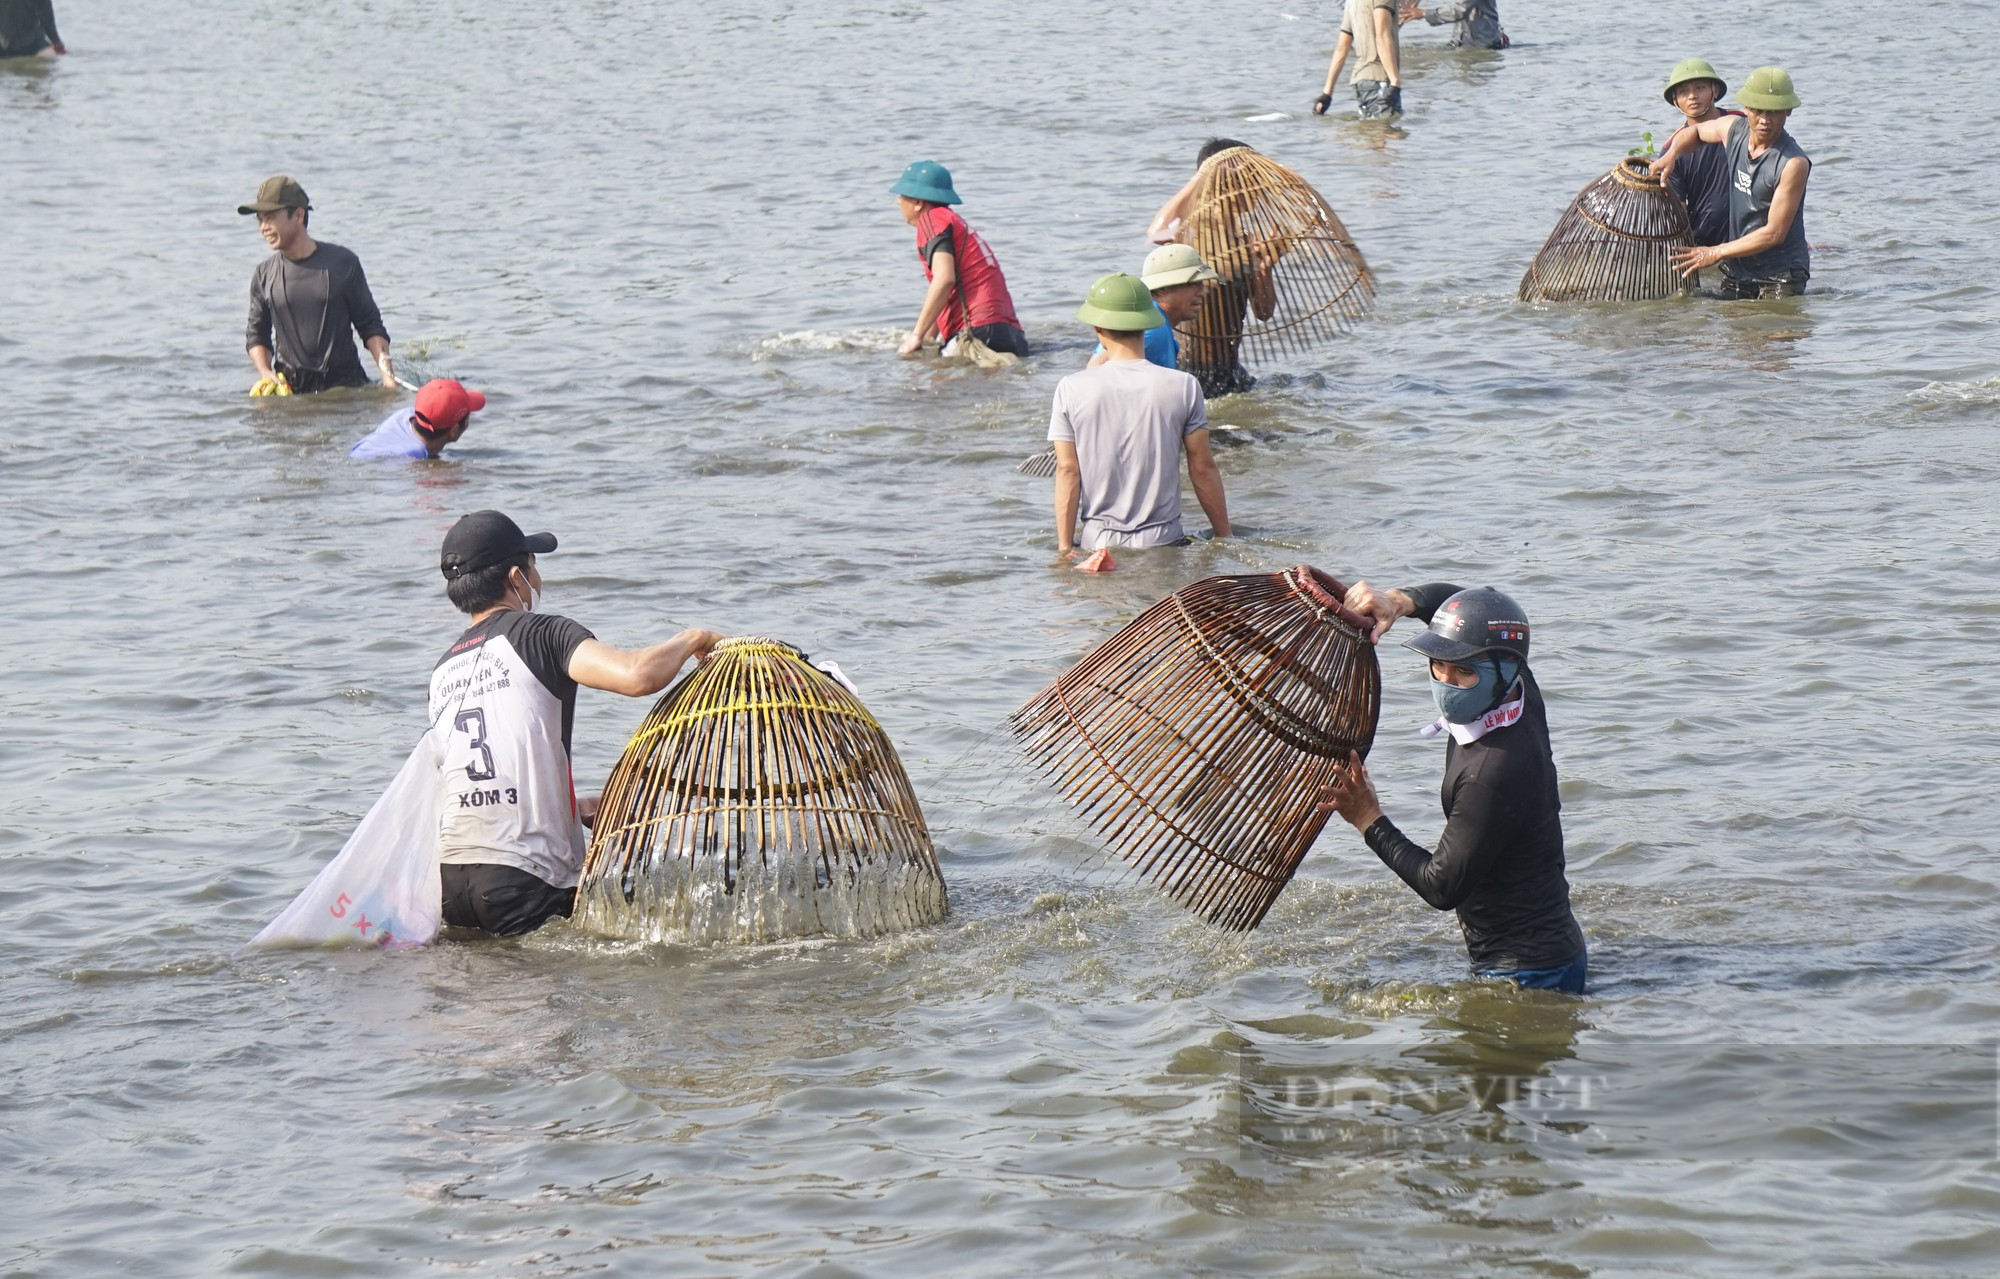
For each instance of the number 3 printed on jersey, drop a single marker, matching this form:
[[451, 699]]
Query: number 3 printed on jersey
[[473, 724]]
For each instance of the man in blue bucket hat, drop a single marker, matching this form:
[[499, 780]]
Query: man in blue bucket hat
[[967, 290]]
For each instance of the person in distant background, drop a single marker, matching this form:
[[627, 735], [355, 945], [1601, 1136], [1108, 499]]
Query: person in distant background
[[443, 410], [1701, 177], [308, 295], [28, 30], [1475, 24], [1368, 31], [1178, 278], [966, 289]]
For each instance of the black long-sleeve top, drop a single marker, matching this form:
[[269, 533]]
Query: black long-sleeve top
[[310, 306], [1499, 863], [27, 26]]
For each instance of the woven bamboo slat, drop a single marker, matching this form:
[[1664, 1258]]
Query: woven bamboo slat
[[759, 800], [1249, 211], [1614, 243], [1196, 740]]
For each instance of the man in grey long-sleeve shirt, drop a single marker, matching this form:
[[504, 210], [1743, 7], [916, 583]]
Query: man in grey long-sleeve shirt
[[307, 296], [28, 28], [1475, 24]]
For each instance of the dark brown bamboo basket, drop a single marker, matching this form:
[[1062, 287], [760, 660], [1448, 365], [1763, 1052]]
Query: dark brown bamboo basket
[[1195, 741], [759, 800], [1614, 243], [1247, 209]]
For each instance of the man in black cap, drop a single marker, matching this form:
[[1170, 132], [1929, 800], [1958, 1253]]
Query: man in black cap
[[1499, 863], [503, 700], [309, 294]]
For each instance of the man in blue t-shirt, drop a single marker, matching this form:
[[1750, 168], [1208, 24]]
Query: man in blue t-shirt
[[1177, 277], [442, 412]]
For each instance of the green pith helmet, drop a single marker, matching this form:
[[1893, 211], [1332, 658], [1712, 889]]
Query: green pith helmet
[[1768, 89], [1694, 69], [1121, 303]]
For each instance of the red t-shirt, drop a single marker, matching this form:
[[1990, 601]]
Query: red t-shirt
[[980, 283]]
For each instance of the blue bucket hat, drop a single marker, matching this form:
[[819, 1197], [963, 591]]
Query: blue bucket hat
[[927, 180]]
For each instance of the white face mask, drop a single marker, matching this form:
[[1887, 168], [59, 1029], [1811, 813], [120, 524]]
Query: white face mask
[[534, 597]]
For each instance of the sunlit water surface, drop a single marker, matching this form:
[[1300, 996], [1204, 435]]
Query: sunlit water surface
[[1757, 542]]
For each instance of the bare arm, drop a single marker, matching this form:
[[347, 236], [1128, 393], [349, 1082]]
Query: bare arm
[[1206, 477], [944, 276], [1167, 221], [1341, 48], [1685, 138], [1385, 40], [638, 672], [379, 348], [1069, 493]]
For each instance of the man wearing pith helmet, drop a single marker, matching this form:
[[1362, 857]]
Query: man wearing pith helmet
[[1766, 255], [503, 698], [1499, 863], [967, 292], [1120, 429], [1701, 177], [1177, 277]]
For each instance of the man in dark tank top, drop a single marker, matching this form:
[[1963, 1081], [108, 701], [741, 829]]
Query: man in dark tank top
[[1766, 256], [1701, 178]]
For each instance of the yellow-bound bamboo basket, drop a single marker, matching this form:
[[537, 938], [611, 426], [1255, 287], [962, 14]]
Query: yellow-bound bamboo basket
[[1196, 740], [1292, 278], [759, 800], [1614, 243]]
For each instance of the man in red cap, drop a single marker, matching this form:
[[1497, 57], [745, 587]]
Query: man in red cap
[[442, 412]]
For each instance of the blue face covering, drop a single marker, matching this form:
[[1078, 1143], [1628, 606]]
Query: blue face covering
[[1464, 705]]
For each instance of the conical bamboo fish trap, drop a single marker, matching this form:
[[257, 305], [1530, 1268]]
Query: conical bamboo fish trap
[[1614, 243], [1250, 213], [759, 800], [1196, 740]]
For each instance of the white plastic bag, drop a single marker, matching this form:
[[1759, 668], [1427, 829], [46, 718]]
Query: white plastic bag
[[383, 889]]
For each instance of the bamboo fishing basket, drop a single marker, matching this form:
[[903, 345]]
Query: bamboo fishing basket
[[1249, 211], [1196, 740], [759, 800], [1614, 243]]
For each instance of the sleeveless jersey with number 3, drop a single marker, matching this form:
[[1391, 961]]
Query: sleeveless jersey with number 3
[[503, 703]]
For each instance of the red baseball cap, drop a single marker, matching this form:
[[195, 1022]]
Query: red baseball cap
[[443, 404]]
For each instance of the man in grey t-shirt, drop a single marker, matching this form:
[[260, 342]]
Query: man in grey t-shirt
[[1119, 431]]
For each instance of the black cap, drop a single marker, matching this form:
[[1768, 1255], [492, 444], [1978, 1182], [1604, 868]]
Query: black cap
[[485, 538]]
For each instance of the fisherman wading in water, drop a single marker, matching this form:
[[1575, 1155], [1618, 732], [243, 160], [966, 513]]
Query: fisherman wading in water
[[1499, 863], [1766, 256]]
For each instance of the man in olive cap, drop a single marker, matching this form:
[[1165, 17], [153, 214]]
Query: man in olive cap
[[1119, 431], [308, 294], [1701, 177], [503, 697], [1177, 277], [1766, 255], [967, 292]]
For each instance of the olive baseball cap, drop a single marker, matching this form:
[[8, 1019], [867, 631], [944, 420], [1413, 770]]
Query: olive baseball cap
[[278, 192], [485, 538]]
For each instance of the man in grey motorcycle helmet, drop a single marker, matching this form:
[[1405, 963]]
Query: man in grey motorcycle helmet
[[1499, 863]]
